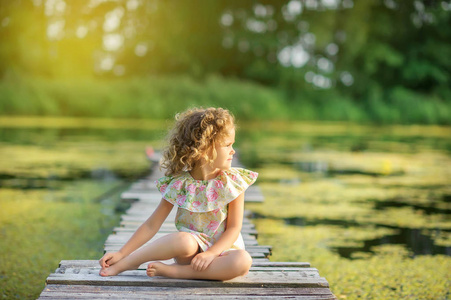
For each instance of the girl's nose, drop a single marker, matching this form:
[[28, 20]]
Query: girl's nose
[[233, 151]]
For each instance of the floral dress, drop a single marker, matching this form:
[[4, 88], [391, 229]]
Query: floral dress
[[202, 205]]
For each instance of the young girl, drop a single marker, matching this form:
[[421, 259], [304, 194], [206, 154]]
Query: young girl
[[209, 196]]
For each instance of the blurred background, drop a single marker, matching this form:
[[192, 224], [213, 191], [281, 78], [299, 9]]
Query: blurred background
[[343, 107], [385, 61]]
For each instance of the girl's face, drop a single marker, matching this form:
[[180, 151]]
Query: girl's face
[[224, 151]]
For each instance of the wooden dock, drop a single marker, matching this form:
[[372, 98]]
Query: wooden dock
[[79, 279]]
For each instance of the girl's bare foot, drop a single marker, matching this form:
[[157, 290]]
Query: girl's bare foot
[[160, 269], [111, 271]]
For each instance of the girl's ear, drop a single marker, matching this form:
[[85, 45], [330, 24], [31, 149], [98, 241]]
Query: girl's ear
[[212, 153]]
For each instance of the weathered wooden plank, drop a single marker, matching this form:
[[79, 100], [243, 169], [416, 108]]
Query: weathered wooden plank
[[134, 295], [255, 264], [170, 225], [281, 264], [253, 254], [164, 229], [258, 249], [111, 241], [149, 185], [142, 212], [95, 268], [306, 272], [250, 247], [152, 196], [143, 292], [139, 219], [152, 193], [251, 232], [124, 237], [88, 276], [148, 210]]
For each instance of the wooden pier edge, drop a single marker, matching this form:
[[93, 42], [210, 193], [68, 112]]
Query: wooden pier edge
[[79, 279]]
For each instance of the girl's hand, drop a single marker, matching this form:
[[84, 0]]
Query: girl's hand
[[202, 260], [110, 259]]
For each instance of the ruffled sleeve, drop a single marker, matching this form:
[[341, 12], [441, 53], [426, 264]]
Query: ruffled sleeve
[[205, 195]]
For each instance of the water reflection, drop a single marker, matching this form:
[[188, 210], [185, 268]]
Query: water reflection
[[413, 239], [381, 205]]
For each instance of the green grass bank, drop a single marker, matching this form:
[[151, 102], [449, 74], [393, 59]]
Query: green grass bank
[[159, 97]]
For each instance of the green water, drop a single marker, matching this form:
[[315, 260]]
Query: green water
[[368, 206]]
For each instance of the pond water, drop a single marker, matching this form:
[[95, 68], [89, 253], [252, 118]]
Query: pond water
[[335, 194], [412, 239], [395, 178]]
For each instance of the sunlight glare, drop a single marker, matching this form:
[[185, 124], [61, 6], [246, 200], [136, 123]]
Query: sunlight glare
[[299, 57], [107, 63], [311, 4], [132, 4], [81, 31], [332, 49], [54, 7], [294, 56], [227, 19], [113, 19], [113, 41], [308, 38], [294, 7], [309, 76], [390, 4], [141, 49], [325, 65], [331, 4], [55, 30], [322, 81], [260, 10], [256, 26], [346, 78]]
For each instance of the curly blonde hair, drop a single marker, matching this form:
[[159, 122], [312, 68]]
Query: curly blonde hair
[[193, 138]]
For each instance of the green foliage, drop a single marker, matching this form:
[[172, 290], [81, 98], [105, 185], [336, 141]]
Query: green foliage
[[152, 97], [161, 97]]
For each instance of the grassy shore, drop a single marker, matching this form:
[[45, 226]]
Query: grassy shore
[[161, 97]]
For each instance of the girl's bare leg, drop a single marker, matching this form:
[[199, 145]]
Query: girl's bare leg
[[179, 245], [230, 265]]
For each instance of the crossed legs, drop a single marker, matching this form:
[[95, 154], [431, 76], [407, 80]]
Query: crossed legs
[[183, 247], [225, 267]]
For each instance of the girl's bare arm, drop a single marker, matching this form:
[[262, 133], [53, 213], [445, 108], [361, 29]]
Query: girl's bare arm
[[148, 229], [143, 234], [233, 228]]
